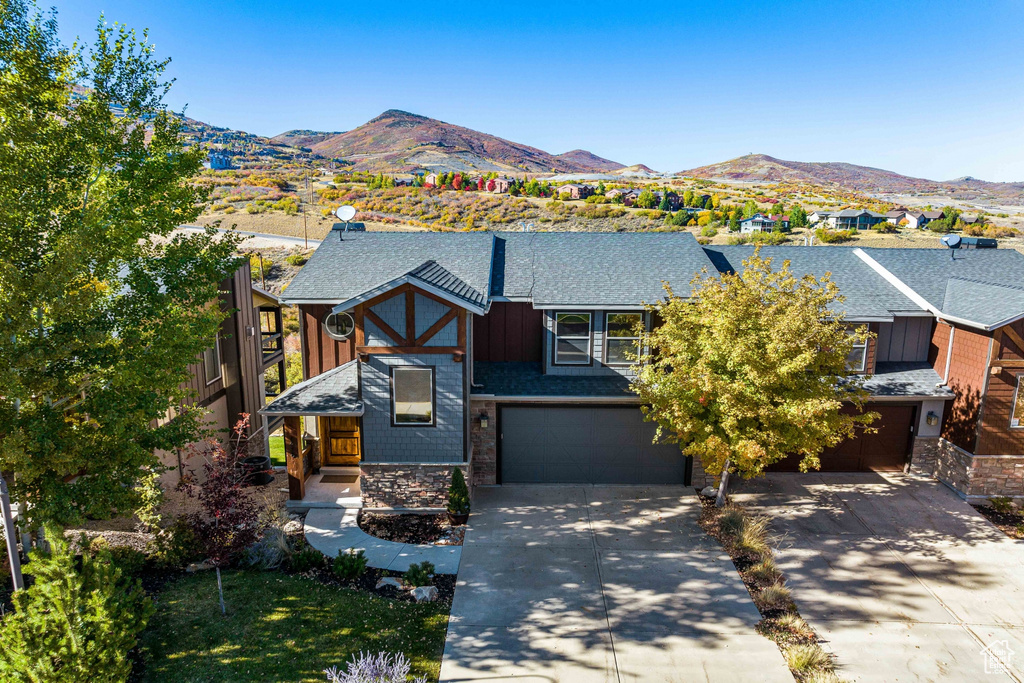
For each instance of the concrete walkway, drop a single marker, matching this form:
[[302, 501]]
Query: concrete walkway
[[334, 530], [903, 579], [577, 584]]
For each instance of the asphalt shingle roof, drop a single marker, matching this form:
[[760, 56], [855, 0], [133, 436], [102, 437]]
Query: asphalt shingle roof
[[526, 379], [985, 286], [868, 294], [906, 379], [342, 269], [335, 392]]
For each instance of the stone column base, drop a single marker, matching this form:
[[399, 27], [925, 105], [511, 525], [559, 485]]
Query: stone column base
[[406, 486]]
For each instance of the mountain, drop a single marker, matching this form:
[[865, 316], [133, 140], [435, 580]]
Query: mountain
[[588, 161], [302, 138], [637, 171], [764, 168], [400, 141]]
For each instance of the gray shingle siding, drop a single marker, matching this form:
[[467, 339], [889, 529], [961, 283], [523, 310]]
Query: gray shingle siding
[[447, 336], [597, 366], [428, 312], [442, 443], [391, 311]]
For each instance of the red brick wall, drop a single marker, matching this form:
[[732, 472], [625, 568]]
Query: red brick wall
[[872, 351], [321, 352], [995, 436], [967, 373]]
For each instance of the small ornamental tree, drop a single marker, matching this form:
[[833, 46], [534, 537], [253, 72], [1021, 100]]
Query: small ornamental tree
[[645, 200], [458, 494], [752, 368], [229, 519], [491, 185]]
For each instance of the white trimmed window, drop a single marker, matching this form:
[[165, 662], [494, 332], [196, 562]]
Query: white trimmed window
[[1017, 414], [412, 396], [857, 359], [620, 337], [572, 338], [211, 362]]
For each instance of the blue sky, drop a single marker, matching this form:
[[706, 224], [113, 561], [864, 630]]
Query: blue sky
[[930, 89]]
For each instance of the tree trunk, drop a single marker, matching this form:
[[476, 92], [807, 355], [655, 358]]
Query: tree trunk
[[723, 486], [220, 592]]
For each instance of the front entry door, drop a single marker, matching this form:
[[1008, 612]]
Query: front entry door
[[341, 440]]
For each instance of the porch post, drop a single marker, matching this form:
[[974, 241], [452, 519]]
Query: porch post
[[293, 457]]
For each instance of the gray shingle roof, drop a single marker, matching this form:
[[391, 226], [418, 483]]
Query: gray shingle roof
[[341, 270], [526, 379], [599, 269], [985, 286], [335, 392], [906, 379], [868, 294]]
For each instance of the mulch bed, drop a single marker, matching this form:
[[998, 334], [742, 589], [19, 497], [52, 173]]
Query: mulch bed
[[410, 528], [367, 583], [1011, 523]]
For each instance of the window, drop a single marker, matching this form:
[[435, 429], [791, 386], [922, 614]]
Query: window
[[620, 338], [211, 362], [1017, 414], [339, 326], [858, 355], [572, 338], [412, 396]]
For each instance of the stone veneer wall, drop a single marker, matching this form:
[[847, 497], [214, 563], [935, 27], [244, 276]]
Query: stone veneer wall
[[405, 486], [484, 443], [700, 478], [976, 477]]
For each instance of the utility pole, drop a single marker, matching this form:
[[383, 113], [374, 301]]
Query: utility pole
[[309, 199], [9, 533]]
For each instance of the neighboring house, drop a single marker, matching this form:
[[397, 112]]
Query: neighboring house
[[501, 185], [430, 180], [505, 354], [759, 222], [854, 219], [782, 221], [895, 216], [218, 160], [816, 217], [673, 200], [576, 191], [919, 219], [231, 376]]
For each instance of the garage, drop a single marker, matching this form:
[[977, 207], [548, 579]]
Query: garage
[[886, 450], [583, 445]]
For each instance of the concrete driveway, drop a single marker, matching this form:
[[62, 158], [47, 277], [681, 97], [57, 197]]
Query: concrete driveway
[[902, 578], [580, 583]]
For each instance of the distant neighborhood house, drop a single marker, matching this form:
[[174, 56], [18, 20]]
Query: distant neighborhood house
[[760, 222]]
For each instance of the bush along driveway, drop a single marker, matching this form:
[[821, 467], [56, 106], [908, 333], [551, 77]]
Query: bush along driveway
[[584, 583], [901, 579]]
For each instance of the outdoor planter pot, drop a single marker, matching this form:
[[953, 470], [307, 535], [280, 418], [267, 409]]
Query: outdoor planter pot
[[458, 519]]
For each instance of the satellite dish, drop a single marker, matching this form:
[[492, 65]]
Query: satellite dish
[[951, 241], [345, 213]]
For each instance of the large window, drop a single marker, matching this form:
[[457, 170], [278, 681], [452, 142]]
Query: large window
[[620, 338], [211, 362], [572, 338], [412, 396], [855, 362], [1017, 414]]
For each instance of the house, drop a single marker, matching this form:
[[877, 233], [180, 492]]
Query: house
[[673, 200], [504, 354], [895, 216], [854, 219], [430, 180], [218, 160], [919, 219], [757, 223], [816, 217], [576, 191], [231, 376], [501, 185]]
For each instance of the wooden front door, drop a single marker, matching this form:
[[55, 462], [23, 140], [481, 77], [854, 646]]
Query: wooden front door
[[340, 440]]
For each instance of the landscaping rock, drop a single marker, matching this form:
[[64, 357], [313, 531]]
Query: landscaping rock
[[293, 527], [198, 567], [709, 492], [424, 594], [390, 581]]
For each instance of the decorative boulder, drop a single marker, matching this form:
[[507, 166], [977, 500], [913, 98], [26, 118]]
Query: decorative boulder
[[424, 594], [198, 567], [709, 492]]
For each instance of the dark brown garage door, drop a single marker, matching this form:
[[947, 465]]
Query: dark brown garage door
[[885, 450], [584, 445]]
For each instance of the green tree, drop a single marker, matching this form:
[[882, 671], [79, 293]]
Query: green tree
[[688, 198], [797, 217], [645, 200], [752, 368], [664, 205], [749, 208], [600, 187], [734, 219], [101, 320], [77, 622]]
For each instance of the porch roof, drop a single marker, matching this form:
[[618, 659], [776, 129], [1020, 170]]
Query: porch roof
[[335, 392]]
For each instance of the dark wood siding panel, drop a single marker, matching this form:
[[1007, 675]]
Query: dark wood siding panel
[[904, 339], [511, 331], [995, 435], [321, 352]]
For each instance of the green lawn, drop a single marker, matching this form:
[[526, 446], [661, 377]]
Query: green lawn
[[277, 450], [281, 628]]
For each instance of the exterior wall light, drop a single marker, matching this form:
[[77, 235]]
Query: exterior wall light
[[483, 420], [932, 418]]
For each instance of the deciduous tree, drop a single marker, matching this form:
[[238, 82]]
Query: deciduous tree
[[102, 309], [752, 368]]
